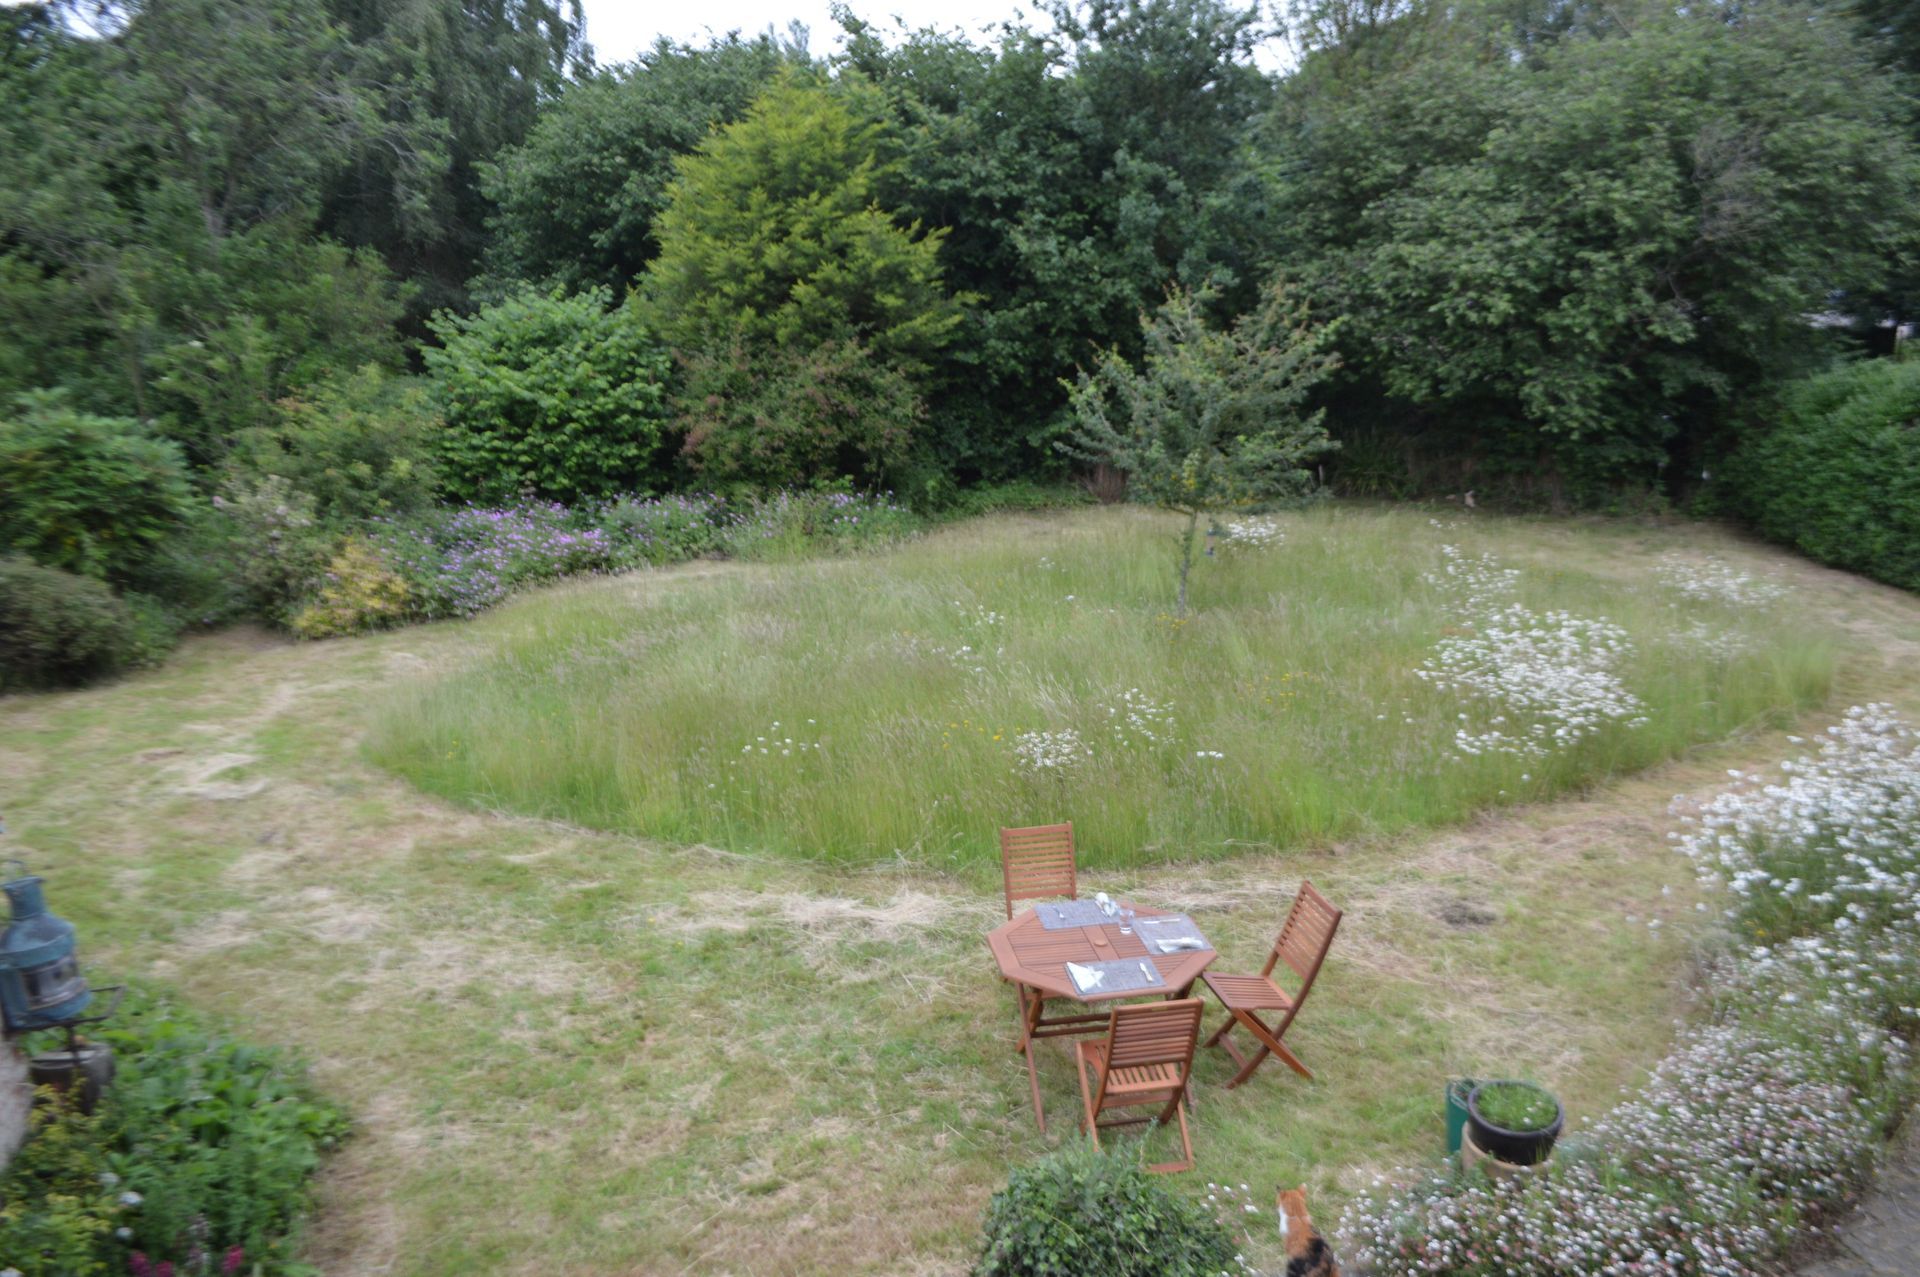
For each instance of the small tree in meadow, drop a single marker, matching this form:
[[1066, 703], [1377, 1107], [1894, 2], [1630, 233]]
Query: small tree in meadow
[[1212, 419]]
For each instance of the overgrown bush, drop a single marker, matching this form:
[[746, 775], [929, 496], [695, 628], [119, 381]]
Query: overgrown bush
[[93, 495], [358, 592], [272, 539], [767, 416], [657, 530], [560, 396], [197, 1157], [360, 445], [1838, 475], [59, 629], [1081, 1211]]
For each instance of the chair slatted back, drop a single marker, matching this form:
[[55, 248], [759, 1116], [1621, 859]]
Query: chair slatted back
[[1037, 863], [1304, 939], [1147, 1033]]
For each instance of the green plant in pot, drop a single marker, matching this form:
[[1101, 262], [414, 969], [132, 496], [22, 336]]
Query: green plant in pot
[[1516, 1122]]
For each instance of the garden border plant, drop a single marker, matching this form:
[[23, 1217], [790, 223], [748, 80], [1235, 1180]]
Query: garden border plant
[[1767, 1118], [196, 1160]]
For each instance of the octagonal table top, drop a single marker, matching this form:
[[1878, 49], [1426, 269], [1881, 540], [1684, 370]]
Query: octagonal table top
[[1036, 957]]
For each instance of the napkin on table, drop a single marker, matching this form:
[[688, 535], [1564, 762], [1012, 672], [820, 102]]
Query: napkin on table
[[1084, 978]]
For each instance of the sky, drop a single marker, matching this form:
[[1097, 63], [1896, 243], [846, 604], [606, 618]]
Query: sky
[[619, 29]]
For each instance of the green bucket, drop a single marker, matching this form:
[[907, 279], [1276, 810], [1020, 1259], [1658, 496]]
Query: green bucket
[[1457, 1092]]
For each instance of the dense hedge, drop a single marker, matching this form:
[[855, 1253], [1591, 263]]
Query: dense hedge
[[1838, 474], [58, 629]]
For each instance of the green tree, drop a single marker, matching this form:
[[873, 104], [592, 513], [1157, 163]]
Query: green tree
[[448, 84], [156, 247], [1211, 419], [773, 234], [1578, 258], [1080, 170], [577, 201]]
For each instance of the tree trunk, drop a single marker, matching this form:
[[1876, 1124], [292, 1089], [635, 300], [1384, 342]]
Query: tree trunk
[[1186, 560]]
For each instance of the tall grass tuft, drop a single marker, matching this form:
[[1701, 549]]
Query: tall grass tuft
[[1025, 670]]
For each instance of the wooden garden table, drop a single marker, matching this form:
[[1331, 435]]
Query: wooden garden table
[[1035, 960]]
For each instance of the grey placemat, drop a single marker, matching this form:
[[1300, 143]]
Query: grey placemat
[[1121, 975], [1151, 930], [1071, 913]]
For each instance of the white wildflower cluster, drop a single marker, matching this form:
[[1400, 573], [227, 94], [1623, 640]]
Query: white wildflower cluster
[[966, 657], [775, 745], [1477, 580], [1553, 672], [1251, 533], [1136, 718], [1049, 753], [1715, 581], [1234, 1210], [1765, 1120], [1835, 840], [1698, 637]]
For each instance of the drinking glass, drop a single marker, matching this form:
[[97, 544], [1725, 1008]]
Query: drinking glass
[[1126, 922]]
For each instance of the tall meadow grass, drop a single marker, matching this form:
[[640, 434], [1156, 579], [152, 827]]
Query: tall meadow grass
[[858, 710]]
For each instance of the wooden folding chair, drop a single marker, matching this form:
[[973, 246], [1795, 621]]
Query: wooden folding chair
[[1302, 945], [1036, 863], [1146, 1058]]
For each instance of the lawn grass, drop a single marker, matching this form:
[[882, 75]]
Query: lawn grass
[[860, 711], [583, 1052]]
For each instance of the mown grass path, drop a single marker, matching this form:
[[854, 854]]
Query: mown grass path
[[591, 1054]]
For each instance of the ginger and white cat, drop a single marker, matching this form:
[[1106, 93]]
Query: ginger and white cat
[[1308, 1254]]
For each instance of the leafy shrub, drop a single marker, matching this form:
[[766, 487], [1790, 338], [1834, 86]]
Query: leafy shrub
[[359, 592], [360, 445], [1082, 1211], [196, 571], [60, 629], [1838, 476], [769, 416], [559, 396], [199, 1155], [656, 530], [93, 495], [275, 544]]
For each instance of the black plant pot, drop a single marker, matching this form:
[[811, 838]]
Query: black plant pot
[[91, 1065], [1516, 1148]]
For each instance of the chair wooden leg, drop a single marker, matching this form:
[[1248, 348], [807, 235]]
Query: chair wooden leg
[[1266, 1043], [1086, 1098], [1186, 1145]]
